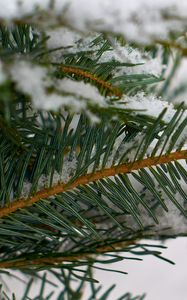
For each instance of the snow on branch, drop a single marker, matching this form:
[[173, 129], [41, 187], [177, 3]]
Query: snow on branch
[[138, 20], [34, 80]]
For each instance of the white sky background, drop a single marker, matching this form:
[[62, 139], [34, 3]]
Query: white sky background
[[158, 279]]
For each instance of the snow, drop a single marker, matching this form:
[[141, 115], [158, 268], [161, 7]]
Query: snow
[[72, 40], [174, 220], [130, 148], [156, 20], [171, 222], [81, 89], [150, 66], [62, 37], [142, 21], [126, 54], [68, 169], [125, 17], [29, 78], [149, 105], [152, 106], [12, 9], [34, 81]]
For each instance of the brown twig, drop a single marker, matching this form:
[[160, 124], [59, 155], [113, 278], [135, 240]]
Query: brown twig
[[174, 45], [112, 90], [52, 261], [88, 178]]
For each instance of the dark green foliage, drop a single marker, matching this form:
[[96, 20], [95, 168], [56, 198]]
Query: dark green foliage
[[21, 39], [37, 145]]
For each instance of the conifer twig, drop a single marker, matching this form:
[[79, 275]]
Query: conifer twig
[[88, 178], [85, 74], [60, 259]]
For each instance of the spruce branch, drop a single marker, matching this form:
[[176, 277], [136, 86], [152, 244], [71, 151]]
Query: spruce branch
[[112, 169], [59, 259], [112, 91], [88, 178]]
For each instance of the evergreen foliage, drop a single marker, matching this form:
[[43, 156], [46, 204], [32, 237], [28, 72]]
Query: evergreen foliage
[[83, 184]]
